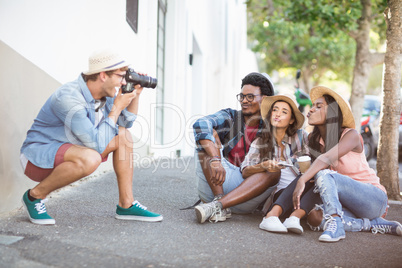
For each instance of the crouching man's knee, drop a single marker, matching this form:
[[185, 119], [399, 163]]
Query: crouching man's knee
[[88, 161], [125, 136], [123, 140]]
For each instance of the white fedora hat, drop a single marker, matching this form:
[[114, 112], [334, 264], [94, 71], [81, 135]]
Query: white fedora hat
[[105, 60]]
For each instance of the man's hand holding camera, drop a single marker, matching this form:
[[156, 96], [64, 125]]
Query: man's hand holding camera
[[122, 101]]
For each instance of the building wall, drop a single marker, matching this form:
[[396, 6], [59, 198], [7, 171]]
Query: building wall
[[46, 43]]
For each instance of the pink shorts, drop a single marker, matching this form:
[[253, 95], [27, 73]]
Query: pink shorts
[[39, 174]]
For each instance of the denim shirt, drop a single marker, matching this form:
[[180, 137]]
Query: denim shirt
[[68, 116]]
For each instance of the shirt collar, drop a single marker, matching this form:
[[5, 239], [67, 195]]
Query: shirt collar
[[99, 104], [85, 90], [285, 140]]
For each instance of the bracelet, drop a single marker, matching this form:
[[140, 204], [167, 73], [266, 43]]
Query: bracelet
[[213, 159]]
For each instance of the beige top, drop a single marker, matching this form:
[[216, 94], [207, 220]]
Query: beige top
[[355, 166]]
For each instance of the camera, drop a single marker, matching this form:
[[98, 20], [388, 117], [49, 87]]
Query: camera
[[133, 78]]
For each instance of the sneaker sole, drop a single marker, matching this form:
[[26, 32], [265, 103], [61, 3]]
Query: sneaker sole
[[327, 238], [213, 219], [36, 221], [200, 215], [273, 231], [295, 230], [138, 218]]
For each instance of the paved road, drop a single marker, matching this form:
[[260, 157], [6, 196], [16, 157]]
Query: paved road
[[87, 235]]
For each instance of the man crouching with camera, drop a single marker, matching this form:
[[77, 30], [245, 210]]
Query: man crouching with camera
[[75, 131]]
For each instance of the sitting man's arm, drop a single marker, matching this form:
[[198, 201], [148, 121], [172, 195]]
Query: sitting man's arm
[[208, 143], [204, 127]]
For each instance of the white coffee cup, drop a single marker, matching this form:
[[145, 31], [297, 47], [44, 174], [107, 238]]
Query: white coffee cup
[[304, 163]]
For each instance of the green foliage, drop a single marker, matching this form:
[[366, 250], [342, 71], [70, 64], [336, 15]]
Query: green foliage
[[330, 16], [309, 34]]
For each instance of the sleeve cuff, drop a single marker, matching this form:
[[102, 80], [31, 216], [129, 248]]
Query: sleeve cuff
[[113, 125], [203, 136]]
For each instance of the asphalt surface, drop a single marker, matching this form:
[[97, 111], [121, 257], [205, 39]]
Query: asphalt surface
[[86, 233]]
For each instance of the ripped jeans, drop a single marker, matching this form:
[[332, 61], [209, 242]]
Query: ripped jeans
[[360, 201]]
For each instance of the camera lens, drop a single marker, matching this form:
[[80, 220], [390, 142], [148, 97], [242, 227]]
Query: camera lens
[[143, 80], [150, 82]]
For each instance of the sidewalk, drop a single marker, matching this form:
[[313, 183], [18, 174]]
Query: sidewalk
[[87, 235]]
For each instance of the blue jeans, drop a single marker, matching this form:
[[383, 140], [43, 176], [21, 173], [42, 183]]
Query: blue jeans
[[355, 202], [232, 180]]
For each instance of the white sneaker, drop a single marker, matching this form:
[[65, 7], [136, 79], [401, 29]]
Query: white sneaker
[[207, 211], [293, 225], [273, 224]]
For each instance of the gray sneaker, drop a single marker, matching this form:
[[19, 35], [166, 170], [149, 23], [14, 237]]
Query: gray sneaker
[[226, 214], [226, 211], [209, 211]]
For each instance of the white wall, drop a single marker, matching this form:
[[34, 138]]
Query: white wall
[[45, 43], [215, 32]]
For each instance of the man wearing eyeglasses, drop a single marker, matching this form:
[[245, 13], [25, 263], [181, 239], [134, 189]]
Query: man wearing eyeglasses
[[223, 139], [75, 131]]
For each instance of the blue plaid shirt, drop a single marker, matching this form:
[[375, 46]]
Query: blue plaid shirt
[[222, 121]]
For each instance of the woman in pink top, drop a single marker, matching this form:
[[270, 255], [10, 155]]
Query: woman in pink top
[[342, 175]]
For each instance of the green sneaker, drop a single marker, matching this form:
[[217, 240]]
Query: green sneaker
[[37, 210], [137, 212]]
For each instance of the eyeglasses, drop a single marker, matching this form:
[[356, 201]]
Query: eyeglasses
[[249, 97], [122, 76]]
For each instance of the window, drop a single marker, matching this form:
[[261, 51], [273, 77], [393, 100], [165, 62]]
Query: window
[[132, 14]]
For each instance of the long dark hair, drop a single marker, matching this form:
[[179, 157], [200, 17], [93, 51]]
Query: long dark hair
[[333, 125], [267, 138]]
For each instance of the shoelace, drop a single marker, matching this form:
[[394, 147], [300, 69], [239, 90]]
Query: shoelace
[[40, 207], [216, 211], [330, 224], [137, 204], [327, 218], [382, 229]]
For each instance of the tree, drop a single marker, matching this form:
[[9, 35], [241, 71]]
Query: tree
[[387, 160], [364, 60], [355, 18], [288, 43]]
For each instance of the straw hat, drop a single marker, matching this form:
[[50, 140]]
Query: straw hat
[[105, 60], [319, 91], [289, 99]]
